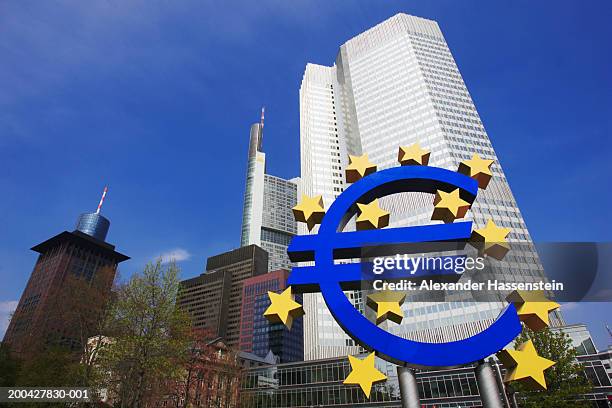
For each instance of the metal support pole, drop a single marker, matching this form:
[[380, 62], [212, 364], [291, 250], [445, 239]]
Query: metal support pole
[[514, 401], [500, 382], [408, 387], [489, 393]]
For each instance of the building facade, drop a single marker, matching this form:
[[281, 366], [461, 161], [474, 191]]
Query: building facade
[[257, 335], [49, 312], [597, 364], [394, 85], [320, 382], [267, 219], [213, 299], [205, 299]]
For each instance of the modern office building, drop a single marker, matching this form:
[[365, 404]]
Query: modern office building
[[213, 299], [41, 318], [597, 364], [205, 299], [320, 382], [394, 85], [257, 334], [267, 219]]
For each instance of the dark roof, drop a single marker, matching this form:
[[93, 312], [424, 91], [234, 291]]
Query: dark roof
[[83, 240], [270, 358], [234, 256]]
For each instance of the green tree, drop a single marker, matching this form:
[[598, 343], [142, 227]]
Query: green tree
[[150, 337], [56, 367], [9, 367], [53, 358], [80, 309], [566, 382]]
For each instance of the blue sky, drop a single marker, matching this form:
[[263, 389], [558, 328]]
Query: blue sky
[[155, 99]]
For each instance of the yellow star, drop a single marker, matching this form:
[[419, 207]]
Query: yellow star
[[310, 210], [283, 309], [491, 240], [411, 155], [524, 364], [533, 308], [478, 169], [449, 206], [387, 305], [364, 373], [372, 216], [359, 166]]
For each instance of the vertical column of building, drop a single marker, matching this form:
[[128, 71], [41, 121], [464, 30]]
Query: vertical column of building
[[278, 225], [267, 219], [254, 189], [323, 156]]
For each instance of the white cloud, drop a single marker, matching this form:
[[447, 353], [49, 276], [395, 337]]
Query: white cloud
[[6, 308], [177, 255]]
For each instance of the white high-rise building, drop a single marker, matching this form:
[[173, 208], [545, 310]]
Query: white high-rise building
[[394, 85], [267, 219]]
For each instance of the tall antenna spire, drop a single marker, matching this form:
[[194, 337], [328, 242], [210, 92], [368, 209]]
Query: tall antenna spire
[[102, 200], [263, 110]]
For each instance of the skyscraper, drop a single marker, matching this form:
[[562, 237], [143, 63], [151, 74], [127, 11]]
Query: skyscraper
[[257, 334], [213, 299], [394, 85], [267, 219], [45, 315]]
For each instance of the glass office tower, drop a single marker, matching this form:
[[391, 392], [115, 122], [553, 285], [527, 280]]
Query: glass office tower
[[257, 334], [267, 219], [394, 85]]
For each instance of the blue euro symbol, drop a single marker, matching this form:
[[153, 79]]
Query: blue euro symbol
[[330, 244]]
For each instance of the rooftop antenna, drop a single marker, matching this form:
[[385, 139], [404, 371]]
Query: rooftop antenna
[[102, 200], [263, 110]]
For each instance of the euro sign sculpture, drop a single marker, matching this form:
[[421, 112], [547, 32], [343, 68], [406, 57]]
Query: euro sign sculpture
[[330, 278]]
